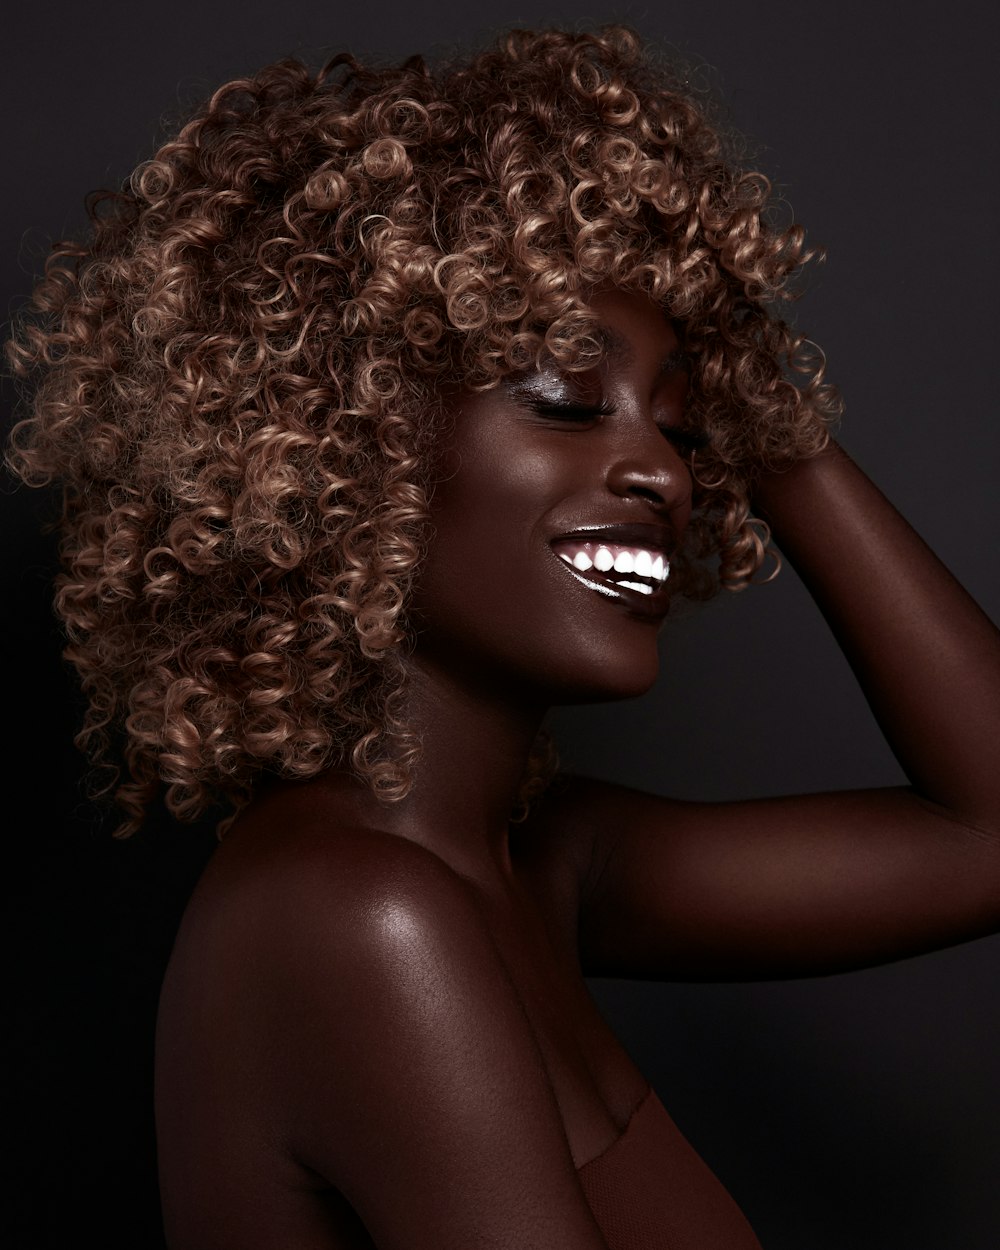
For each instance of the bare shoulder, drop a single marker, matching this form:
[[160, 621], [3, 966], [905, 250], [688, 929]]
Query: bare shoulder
[[350, 1002], [316, 880], [345, 920]]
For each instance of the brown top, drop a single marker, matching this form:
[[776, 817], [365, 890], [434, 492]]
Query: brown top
[[651, 1191]]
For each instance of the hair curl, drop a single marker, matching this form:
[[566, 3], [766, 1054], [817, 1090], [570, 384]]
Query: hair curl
[[237, 377]]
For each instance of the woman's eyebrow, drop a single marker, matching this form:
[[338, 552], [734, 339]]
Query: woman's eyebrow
[[614, 345], [619, 349]]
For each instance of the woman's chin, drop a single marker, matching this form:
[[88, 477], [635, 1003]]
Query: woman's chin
[[609, 683]]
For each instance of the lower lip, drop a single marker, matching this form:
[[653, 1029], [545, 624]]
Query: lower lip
[[651, 607]]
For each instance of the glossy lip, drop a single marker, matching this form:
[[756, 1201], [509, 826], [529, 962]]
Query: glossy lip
[[652, 536], [657, 538]]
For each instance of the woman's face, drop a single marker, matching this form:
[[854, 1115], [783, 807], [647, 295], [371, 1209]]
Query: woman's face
[[563, 499]]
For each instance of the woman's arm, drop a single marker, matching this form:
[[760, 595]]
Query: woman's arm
[[823, 882], [927, 658]]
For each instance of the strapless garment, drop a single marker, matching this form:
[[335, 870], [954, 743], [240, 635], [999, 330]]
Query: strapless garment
[[650, 1190]]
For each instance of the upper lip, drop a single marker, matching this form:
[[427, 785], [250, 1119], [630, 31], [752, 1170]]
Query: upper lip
[[649, 536]]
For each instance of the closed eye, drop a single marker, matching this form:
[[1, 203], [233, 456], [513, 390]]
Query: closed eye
[[573, 412]]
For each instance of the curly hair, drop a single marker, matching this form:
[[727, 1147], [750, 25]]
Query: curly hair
[[237, 378]]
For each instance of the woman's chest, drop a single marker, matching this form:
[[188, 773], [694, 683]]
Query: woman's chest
[[595, 1083]]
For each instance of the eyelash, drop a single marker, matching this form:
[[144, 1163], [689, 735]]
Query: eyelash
[[574, 412], [686, 441]]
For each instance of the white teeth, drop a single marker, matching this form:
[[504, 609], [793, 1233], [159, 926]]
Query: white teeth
[[644, 563]]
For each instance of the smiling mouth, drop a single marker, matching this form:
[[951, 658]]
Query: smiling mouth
[[634, 568], [633, 573]]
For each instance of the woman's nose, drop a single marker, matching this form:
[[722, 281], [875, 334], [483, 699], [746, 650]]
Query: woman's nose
[[654, 472]]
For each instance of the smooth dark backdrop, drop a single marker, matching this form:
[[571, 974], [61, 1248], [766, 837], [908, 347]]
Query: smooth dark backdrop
[[859, 1111]]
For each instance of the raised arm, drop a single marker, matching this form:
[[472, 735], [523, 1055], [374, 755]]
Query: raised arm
[[927, 657], [823, 882]]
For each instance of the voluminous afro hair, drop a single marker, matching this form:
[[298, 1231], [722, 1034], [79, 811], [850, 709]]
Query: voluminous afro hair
[[237, 377]]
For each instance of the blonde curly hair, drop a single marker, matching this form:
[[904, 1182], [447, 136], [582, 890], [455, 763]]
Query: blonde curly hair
[[237, 378]]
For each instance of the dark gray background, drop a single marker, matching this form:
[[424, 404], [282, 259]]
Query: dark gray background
[[859, 1111]]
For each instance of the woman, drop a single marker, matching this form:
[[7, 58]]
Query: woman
[[393, 408]]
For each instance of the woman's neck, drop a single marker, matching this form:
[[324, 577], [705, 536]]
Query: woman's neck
[[474, 747]]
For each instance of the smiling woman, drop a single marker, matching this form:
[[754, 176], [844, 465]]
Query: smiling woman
[[318, 257], [584, 466], [391, 407]]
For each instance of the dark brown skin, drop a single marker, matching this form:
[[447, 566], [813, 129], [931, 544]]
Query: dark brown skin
[[375, 1015]]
